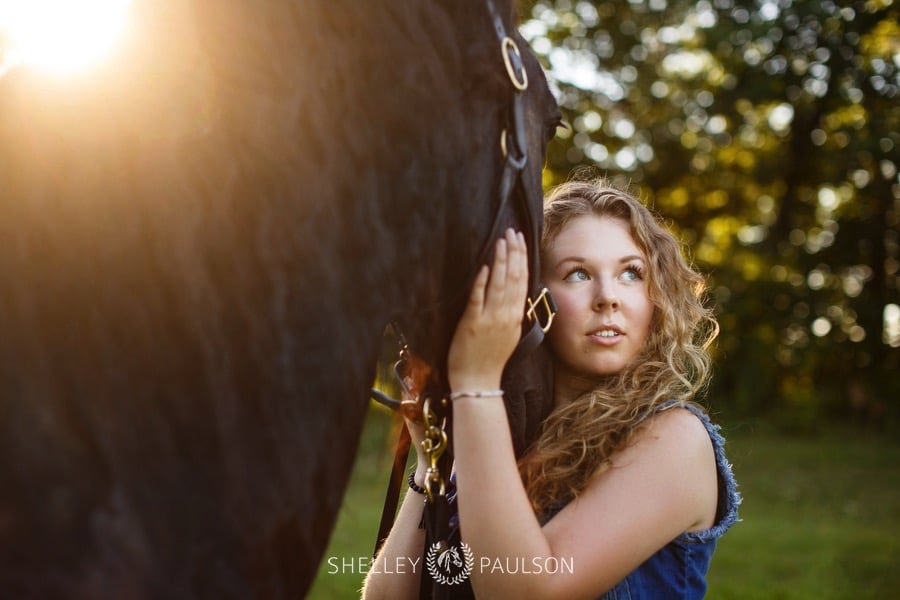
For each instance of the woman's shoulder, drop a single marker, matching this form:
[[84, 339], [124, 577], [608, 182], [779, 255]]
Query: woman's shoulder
[[685, 421], [674, 451], [685, 427], [690, 423], [670, 448]]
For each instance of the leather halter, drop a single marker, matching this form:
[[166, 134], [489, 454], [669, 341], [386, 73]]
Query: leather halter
[[540, 306]]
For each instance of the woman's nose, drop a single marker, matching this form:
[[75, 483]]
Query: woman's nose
[[605, 295]]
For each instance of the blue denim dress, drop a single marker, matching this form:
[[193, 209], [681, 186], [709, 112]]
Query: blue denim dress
[[678, 570]]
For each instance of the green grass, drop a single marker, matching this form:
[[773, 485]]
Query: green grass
[[820, 518], [354, 536]]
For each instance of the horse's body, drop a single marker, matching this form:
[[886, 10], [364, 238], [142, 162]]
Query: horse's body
[[201, 247]]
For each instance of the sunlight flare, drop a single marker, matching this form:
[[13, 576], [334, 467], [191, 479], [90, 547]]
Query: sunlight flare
[[59, 36]]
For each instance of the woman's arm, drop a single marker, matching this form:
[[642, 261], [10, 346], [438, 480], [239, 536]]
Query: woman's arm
[[387, 578], [660, 486], [403, 546]]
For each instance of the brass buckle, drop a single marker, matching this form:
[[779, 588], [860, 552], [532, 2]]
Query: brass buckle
[[546, 305], [509, 49]]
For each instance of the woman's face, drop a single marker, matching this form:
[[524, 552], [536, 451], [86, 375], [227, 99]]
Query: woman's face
[[596, 273]]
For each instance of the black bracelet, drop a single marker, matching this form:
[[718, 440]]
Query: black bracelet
[[412, 483]]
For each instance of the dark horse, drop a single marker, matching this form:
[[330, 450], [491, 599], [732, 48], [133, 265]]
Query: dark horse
[[201, 244]]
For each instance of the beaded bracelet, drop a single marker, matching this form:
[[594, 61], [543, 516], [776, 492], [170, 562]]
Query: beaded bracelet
[[413, 485], [476, 394]]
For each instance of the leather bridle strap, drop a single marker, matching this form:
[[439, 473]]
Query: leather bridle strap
[[539, 312], [515, 153]]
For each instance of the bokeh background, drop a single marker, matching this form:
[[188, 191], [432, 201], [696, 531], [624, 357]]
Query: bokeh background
[[767, 134]]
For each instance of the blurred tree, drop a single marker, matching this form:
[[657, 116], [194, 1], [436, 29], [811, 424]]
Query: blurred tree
[[767, 132]]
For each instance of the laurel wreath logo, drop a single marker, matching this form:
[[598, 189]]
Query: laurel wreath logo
[[438, 564]]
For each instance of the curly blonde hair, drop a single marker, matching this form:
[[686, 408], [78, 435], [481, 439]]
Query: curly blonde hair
[[579, 438]]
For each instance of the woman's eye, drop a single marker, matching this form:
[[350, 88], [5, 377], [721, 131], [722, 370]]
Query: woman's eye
[[577, 275], [633, 273]]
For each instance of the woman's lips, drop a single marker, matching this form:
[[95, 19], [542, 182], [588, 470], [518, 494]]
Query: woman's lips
[[607, 335]]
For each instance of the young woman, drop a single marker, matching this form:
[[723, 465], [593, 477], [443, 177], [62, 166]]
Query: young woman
[[627, 485]]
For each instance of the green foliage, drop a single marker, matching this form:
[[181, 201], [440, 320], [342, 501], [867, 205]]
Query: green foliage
[[766, 131]]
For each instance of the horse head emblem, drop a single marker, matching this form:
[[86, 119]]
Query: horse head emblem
[[448, 557]]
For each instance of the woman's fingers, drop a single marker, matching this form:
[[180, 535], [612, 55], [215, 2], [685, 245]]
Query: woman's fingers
[[490, 325], [522, 272], [477, 295], [514, 268], [509, 275], [518, 266], [497, 284], [505, 284]]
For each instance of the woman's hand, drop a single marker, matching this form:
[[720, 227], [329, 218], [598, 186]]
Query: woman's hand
[[490, 326]]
